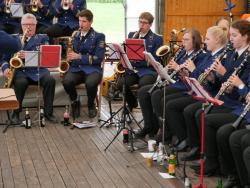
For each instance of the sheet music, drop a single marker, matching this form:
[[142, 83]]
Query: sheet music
[[163, 73], [111, 52], [16, 10], [31, 59], [124, 58]]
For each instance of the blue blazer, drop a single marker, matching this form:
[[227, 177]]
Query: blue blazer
[[32, 45], [7, 18], [44, 15], [231, 100], [152, 42], [9, 43], [67, 18], [92, 50]]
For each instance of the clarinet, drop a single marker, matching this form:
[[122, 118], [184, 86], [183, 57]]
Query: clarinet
[[193, 57], [242, 115], [226, 84]]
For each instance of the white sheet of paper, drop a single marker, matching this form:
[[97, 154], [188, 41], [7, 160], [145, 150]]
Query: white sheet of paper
[[166, 175], [31, 58], [16, 10], [85, 124], [148, 155]]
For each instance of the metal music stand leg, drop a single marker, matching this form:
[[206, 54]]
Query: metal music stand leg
[[8, 122]]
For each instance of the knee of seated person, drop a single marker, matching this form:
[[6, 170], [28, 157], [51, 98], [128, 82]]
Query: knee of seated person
[[234, 139], [50, 80], [245, 142], [223, 133], [246, 153], [20, 82], [188, 112]]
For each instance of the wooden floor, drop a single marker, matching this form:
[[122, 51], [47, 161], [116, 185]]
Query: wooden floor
[[57, 156]]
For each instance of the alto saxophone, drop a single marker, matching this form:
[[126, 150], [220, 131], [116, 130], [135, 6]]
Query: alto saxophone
[[15, 63]]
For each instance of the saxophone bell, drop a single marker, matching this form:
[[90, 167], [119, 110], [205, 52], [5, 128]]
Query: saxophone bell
[[34, 5]]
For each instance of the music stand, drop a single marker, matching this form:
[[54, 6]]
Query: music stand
[[135, 49], [128, 67], [49, 56], [202, 95]]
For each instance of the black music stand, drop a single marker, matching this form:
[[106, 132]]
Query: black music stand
[[202, 95], [49, 56], [128, 67]]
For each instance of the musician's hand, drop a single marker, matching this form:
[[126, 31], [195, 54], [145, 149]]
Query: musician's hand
[[173, 65], [39, 4], [184, 72], [218, 67], [189, 64], [211, 77], [6, 73], [71, 6], [234, 80], [73, 55], [21, 54]]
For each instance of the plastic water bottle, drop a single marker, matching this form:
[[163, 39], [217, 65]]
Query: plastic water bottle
[[42, 118], [27, 119]]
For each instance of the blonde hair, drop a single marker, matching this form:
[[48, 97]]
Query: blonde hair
[[218, 33]]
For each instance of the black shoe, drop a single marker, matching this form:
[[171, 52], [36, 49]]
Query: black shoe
[[208, 170], [15, 118], [92, 112], [181, 146], [141, 134], [231, 181], [132, 105], [193, 154], [51, 118]]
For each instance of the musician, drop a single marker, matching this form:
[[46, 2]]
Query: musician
[[42, 9], [7, 22], [66, 13], [224, 22], [26, 76], [87, 57], [8, 43], [151, 104], [145, 73], [215, 40], [238, 86]]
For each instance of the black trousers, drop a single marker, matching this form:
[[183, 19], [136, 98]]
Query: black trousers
[[239, 143], [57, 30], [8, 28], [131, 79], [48, 84], [218, 117], [174, 115], [193, 134], [91, 82]]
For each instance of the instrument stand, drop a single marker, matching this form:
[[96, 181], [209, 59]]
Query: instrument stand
[[9, 123], [122, 124]]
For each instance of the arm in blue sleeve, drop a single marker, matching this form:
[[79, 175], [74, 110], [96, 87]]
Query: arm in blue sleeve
[[9, 43], [97, 56], [58, 8], [4, 62]]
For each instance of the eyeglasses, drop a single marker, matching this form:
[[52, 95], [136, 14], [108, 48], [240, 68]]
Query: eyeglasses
[[143, 22], [30, 24]]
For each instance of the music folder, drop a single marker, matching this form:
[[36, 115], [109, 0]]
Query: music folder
[[50, 56], [135, 49], [16, 10], [201, 93]]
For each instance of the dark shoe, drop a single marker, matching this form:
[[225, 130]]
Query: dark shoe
[[51, 118], [15, 118], [208, 170], [132, 105], [181, 146], [92, 112], [141, 134], [193, 154], [231, 181]]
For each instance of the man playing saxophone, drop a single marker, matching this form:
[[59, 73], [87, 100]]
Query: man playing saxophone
[[85, 63], [26, 76]]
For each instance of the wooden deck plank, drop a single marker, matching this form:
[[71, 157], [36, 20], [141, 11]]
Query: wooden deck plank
[[6, 171], [53, 171]]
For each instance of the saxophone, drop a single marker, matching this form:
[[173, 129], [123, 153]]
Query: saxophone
[[226, 84], [15, 63], [65, 64], [34, 5]]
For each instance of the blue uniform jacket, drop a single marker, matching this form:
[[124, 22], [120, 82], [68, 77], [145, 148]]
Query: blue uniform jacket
[[231, 100], [67, 18], [152, 42], [92, 51], [44, 15], [32, 45], [7, 18], [9, 43]]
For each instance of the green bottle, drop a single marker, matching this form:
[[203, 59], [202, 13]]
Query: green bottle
[[172, 164]]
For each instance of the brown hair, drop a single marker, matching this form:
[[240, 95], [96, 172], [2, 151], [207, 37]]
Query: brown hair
[[243, 26], [87, 14], [196, 38], [147, 16], [223, 18]]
